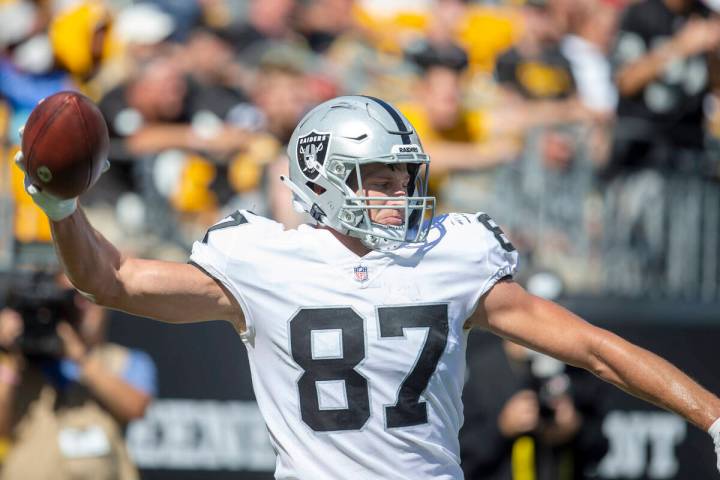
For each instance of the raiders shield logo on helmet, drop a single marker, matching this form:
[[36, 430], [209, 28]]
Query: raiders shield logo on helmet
[[311, 151]]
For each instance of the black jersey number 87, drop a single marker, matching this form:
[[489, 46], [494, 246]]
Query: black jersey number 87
[[408, 409]]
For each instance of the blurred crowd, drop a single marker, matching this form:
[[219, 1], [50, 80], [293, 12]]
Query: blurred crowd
[[577, 124], [587, 128]]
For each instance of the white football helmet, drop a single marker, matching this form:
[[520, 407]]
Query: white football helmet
[[331, 143]]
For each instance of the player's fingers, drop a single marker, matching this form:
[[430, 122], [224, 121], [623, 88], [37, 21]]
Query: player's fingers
[[21, 130], [30, 188]]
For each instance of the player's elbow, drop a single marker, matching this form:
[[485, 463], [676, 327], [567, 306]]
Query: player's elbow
[[102, 286], [105, 293], [91, 296], [105, 298], [598, 362], [94, 291]]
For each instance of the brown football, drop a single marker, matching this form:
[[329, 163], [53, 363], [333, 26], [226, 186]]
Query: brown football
[[65, 144]]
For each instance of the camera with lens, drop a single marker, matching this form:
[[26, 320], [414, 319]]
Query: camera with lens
[[41, 303], [547, 378]]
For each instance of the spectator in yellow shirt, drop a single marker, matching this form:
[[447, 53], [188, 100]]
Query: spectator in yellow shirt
[[457, 137]]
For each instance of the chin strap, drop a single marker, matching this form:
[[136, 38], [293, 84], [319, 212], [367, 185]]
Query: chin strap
[[302, 203], [315, 211], [298, 192], [380, 244]]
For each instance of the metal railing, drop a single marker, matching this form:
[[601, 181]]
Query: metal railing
[[661, 237], [644, 234]]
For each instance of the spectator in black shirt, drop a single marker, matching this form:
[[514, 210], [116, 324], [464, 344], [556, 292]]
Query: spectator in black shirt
[[160, 107], [664, 55], [662, 73]]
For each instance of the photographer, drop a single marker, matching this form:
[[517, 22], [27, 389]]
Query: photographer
[[66, 394], [533, 416]]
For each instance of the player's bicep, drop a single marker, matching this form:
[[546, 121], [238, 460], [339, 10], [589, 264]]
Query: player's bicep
[[173, 292], [544, 326]]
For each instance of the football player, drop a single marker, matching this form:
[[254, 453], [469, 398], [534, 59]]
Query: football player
[[356, 325]]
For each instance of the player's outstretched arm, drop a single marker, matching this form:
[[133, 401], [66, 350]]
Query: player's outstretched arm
[[167, 291], [509, 311]]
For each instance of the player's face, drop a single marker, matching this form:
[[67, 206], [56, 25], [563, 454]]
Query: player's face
[[381, 180]]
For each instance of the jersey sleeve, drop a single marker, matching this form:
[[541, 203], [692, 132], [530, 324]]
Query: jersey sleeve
[[221, 243], [494, 257]]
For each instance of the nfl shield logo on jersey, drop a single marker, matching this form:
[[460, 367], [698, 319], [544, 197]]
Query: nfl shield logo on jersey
[[361, 273], [311, 151]]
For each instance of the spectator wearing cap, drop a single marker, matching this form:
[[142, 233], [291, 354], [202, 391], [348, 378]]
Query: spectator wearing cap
[[457, 137]]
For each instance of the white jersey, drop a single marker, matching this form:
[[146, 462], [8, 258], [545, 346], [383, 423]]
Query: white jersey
[[358, 363]]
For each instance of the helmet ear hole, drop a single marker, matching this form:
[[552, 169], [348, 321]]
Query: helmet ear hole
[[318, 189]]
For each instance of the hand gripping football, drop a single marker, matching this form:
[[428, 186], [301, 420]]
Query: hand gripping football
[[65, 144]]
